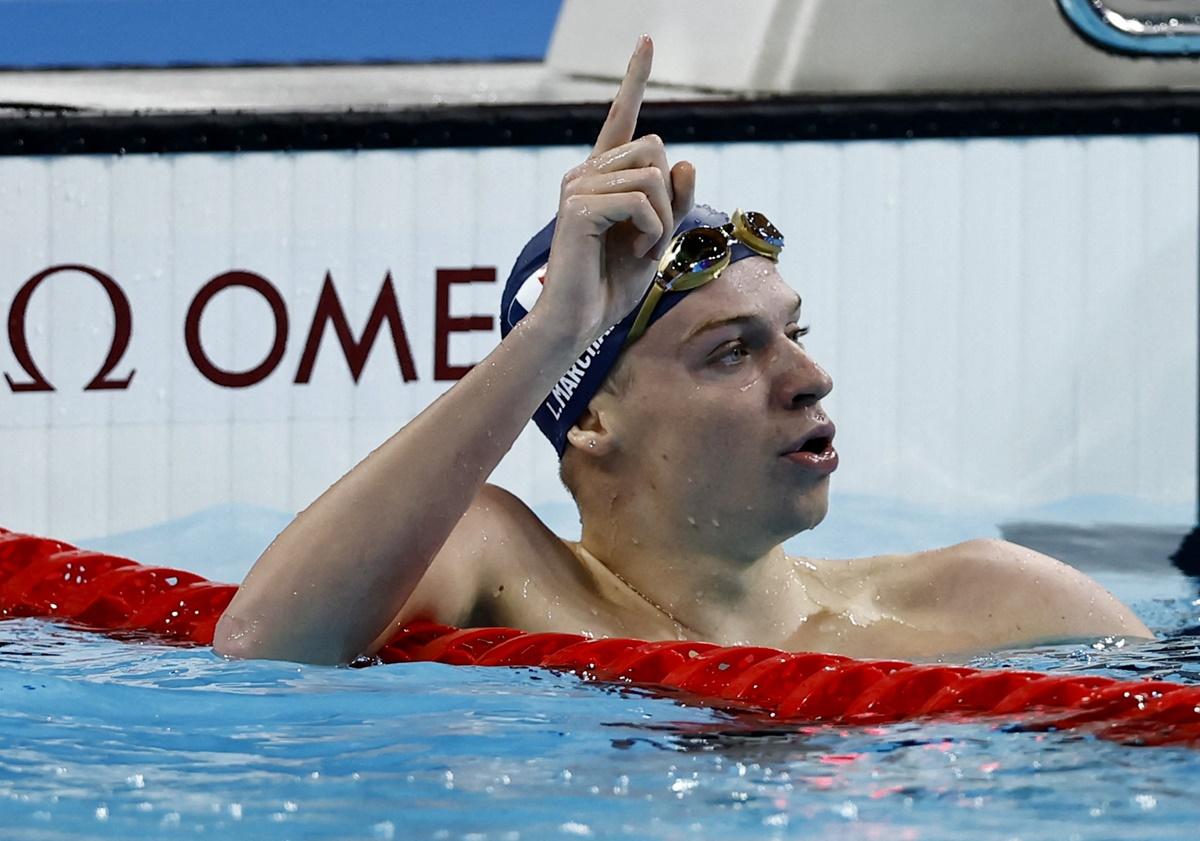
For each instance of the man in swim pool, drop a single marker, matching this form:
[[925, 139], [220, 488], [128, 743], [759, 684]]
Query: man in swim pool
[[701, 451]]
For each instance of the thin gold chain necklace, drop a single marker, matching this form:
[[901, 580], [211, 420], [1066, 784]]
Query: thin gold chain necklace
[[679, 626]]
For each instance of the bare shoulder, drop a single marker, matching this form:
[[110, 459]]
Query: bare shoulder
[[1017, 590], [500, 528], [496, 535]]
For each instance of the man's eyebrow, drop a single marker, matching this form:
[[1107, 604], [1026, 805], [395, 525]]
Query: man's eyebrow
[[714, 323]]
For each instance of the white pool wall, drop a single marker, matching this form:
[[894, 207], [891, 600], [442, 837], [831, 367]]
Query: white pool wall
[[1008, 322]]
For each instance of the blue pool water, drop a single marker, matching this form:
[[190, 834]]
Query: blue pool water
[[109, 739]]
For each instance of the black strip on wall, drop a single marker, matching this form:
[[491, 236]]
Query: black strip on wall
[[47, 130]]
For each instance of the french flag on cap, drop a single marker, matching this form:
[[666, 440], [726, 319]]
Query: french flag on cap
[[527, 294]]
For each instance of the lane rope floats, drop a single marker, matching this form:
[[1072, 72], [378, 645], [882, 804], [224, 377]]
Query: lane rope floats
[[41, 577]]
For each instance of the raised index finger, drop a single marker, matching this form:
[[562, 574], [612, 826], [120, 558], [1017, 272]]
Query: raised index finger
[[622, 116]]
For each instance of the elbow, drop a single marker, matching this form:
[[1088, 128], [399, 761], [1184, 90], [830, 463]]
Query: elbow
[[241, 639], [231, 638]]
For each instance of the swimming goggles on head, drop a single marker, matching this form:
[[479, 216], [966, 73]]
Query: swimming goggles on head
[[699, 255]]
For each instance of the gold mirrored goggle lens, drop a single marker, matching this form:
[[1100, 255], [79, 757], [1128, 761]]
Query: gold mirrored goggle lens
[[757, 232], [695, 257]]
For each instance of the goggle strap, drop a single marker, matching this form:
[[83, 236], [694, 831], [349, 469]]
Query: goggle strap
[[643, 317]]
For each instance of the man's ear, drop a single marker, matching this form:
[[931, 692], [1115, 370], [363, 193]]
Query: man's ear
[[593, 433]]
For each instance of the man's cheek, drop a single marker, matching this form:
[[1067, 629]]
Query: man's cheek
[[723, 436]]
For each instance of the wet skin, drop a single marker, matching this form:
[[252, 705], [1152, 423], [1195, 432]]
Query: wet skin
[[686, 497], [719, 390], [686, 487]]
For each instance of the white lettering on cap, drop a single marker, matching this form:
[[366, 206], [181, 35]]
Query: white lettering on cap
[[562, 392]]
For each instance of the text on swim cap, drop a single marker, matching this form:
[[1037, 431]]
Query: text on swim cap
[[561, 394]]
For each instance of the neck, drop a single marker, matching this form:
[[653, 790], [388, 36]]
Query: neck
[[703, 580]]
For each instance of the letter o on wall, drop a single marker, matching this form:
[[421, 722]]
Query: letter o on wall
[[191, 329]]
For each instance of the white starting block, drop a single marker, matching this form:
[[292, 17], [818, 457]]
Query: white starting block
[[889, 46]]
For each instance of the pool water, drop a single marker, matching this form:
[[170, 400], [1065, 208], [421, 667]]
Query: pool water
[[118, 739]]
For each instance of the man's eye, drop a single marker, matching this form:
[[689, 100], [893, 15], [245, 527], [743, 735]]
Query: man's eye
[[731, 353], [798, 333]]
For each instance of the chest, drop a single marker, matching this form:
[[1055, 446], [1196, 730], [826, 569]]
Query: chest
[[566, 596], [560, 593]]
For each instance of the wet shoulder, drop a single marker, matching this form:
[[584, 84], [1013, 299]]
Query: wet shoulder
[[961, 577], [910, 580], [537, 581], [517, 536], [911, 604], [497, 540], [527, 563]]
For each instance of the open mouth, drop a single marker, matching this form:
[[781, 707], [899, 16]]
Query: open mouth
[[815, 453], [816, 445]]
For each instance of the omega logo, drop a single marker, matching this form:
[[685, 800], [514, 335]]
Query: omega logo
[[329, 312]]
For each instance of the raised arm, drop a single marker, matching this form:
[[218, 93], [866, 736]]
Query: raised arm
[[334, 579]]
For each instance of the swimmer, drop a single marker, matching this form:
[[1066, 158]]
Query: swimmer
[[691, 435]]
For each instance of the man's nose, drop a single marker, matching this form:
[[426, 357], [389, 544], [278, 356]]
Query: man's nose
[[802, 382]]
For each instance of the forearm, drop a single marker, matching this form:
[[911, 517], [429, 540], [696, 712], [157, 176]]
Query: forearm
[[342, 570]]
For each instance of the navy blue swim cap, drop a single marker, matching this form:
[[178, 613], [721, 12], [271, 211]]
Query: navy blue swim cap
[[575, 389]]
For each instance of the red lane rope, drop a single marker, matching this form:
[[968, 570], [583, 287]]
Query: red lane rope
[[51, 579]]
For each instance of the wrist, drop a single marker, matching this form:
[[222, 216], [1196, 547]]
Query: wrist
[[558, 337]]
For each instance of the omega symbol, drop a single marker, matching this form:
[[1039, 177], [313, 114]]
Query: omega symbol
[[122, 328]]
